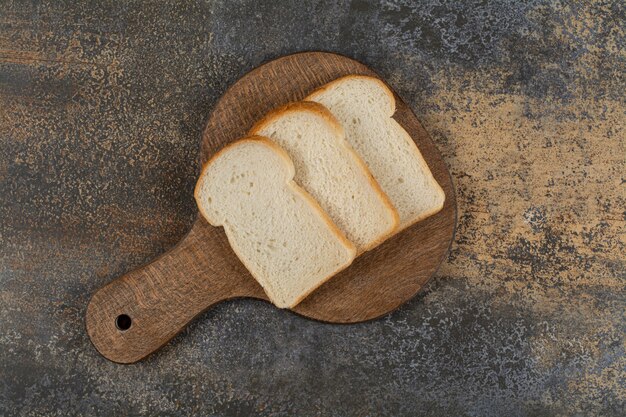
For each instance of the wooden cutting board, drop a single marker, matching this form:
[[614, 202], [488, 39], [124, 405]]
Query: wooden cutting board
[[139, 312]]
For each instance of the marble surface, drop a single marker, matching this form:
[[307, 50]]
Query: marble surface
[[102, 104]]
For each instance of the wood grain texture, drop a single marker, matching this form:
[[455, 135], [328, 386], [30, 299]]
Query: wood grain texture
[[164, 296]]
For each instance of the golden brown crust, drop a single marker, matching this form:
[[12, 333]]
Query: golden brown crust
[[349, 246], [309, 106], [322, 111]]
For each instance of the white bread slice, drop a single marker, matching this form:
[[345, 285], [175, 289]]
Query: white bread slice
[[328, 168], [365, 106], [287, 242]]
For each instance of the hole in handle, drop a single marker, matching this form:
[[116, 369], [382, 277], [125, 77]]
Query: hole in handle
[[123, 322]]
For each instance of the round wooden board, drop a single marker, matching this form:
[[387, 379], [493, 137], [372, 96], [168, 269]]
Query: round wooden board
[[380, 280], [161, 298]]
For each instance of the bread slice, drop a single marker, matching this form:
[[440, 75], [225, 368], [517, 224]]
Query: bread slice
[[328, 168], [364, 105], [287, 242]]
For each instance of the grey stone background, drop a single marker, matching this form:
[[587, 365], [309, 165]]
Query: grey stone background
[[102, 104]]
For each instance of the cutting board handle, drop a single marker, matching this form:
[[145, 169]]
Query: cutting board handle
[[139, 312], [202, 270]]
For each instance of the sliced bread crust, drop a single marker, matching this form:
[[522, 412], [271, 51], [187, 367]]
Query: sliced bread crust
[[387, 149], [239, 185]]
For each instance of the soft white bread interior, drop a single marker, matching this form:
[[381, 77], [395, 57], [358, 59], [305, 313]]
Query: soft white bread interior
[[278, 231], [365, 106], [328, 169]]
